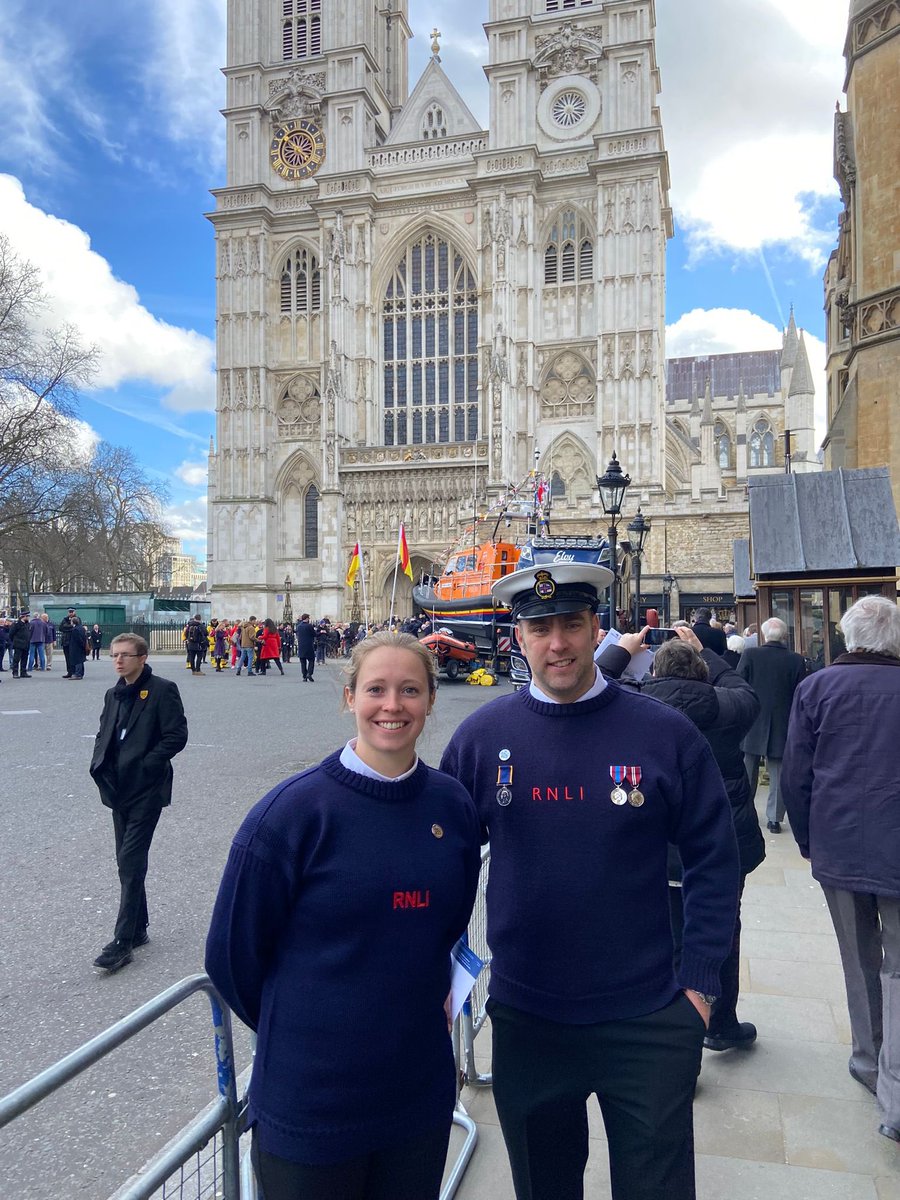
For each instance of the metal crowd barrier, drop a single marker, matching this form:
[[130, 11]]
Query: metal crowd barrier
[[188, 1161], [203, 1161]]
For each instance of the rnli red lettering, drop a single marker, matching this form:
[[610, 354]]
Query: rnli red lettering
[[553, 793], [412, 899]]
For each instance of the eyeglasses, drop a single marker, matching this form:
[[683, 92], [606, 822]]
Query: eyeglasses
[[124, 655]]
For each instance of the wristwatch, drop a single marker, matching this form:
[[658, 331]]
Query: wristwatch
[[707, 999]]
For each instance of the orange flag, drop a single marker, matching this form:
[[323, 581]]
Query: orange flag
[[354, 566], [405, 564]]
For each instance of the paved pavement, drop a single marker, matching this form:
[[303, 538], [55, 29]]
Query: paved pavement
[[782, 1121], [60, 893]]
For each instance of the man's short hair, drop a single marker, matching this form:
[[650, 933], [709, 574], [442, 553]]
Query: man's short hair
[[702, 614], [774, 630], [139, 643], [873, 624], [678, 660]]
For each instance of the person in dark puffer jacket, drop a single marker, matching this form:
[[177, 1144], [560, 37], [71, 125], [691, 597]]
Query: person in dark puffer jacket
[[723, 707]]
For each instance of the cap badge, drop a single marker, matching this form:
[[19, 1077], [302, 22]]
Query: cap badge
[[544, 587]]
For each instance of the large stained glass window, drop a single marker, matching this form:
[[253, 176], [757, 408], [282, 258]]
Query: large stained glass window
[[430, 347]]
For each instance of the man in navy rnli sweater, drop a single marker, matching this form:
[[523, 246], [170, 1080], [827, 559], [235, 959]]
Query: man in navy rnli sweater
[[580, 785]]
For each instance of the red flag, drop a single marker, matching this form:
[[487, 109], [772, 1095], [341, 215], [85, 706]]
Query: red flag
[[403, 551]]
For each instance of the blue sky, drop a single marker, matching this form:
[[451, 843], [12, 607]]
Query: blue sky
[[111, 139]]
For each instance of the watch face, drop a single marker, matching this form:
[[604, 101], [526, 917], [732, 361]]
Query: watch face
[[297, 149]]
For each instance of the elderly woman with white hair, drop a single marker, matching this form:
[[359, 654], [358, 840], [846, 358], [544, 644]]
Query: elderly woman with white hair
[[841, 783]]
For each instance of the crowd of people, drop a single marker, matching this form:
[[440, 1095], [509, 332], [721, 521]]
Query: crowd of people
[[27, 642], [255, 647]]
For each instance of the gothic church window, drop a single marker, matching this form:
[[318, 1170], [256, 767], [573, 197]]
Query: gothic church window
[[430, 347], [723, 445], [434, 124], [569, 253], [301, 29], [557, 487], [311, 522], [569, 388], [762, 445], [301, 284]]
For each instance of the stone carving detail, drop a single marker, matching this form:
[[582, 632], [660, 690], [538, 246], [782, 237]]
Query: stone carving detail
[[647, 205], [240, 257], [225, 258], [431, 501], [299, 94], [628, 210], [609, 210], [499, 362], [646, 355], [878, 316], [874, 24], [569, 388], [626, 358], [609, 352], [299, 409], [240, 390], [568, 456], [843, 156], [569, 50], [225, 389], [255, 402]]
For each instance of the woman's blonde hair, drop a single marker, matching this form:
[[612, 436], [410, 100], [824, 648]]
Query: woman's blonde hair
[[396, 641]]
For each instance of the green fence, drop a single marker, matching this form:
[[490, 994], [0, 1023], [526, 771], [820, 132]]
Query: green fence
[[162, 638]]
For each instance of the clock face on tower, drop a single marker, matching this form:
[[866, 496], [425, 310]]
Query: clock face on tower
[[297, 149]]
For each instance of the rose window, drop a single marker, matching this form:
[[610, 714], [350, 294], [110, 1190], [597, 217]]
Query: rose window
[[568, 109]]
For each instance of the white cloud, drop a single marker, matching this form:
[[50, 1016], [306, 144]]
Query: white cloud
[[187, 521], [81, 288], [747, 106], [183, 77], [193, 474], [736, 330]]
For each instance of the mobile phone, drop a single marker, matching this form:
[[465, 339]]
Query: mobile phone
[[656, 637]]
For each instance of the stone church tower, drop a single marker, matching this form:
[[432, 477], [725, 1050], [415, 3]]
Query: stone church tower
[[412, 310]]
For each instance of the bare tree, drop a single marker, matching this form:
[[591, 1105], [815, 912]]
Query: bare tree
[[40, 371]]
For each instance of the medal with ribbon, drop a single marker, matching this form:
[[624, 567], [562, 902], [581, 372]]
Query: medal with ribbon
[[635, 796], [504, 784], [618, 795]]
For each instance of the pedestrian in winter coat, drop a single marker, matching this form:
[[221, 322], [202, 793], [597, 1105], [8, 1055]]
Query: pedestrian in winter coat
[[37, 637], [270, 648], [773, 671], [306, 647], [95, 637], [20, 639], [78, 649], [840, 780]]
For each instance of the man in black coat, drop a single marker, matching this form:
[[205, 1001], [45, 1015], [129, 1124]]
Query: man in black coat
[[142, 728], [20, 640], [710, 638], [306, 647], [65, 637], [773, 672]]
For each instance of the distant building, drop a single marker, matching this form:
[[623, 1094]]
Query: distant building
[[862, 280]]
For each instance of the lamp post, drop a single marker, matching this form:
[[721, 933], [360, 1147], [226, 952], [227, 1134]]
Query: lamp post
[[288, 612], [639, 528], [612, 487], [669, 582]]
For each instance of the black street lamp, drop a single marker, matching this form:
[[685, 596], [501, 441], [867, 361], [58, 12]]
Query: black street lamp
[[639, 528], [669, 582], [612, 487], [288, 612]]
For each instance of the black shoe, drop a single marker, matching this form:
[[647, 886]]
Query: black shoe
[[114, 956], [67, 677], [889, 1131], [774, 827], [25, 675], [744, 1034], [860, 1078]]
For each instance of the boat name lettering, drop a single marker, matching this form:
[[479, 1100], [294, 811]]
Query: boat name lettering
[[561, 556]]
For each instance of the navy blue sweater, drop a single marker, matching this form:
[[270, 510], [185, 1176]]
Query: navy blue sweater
[[577, 900], [331, 936]]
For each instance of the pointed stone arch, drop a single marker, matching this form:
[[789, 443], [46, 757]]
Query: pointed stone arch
[[569, 457], [297, 481], [568, 386]]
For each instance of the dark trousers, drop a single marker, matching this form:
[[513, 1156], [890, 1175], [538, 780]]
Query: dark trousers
[[20, 661], [723, 1019], [194, 654], [134, 830], [409, 1171], [307, 665], [643, 1071], [68, 659]]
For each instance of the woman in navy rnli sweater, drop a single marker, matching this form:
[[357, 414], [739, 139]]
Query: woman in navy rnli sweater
[[344, 892]]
